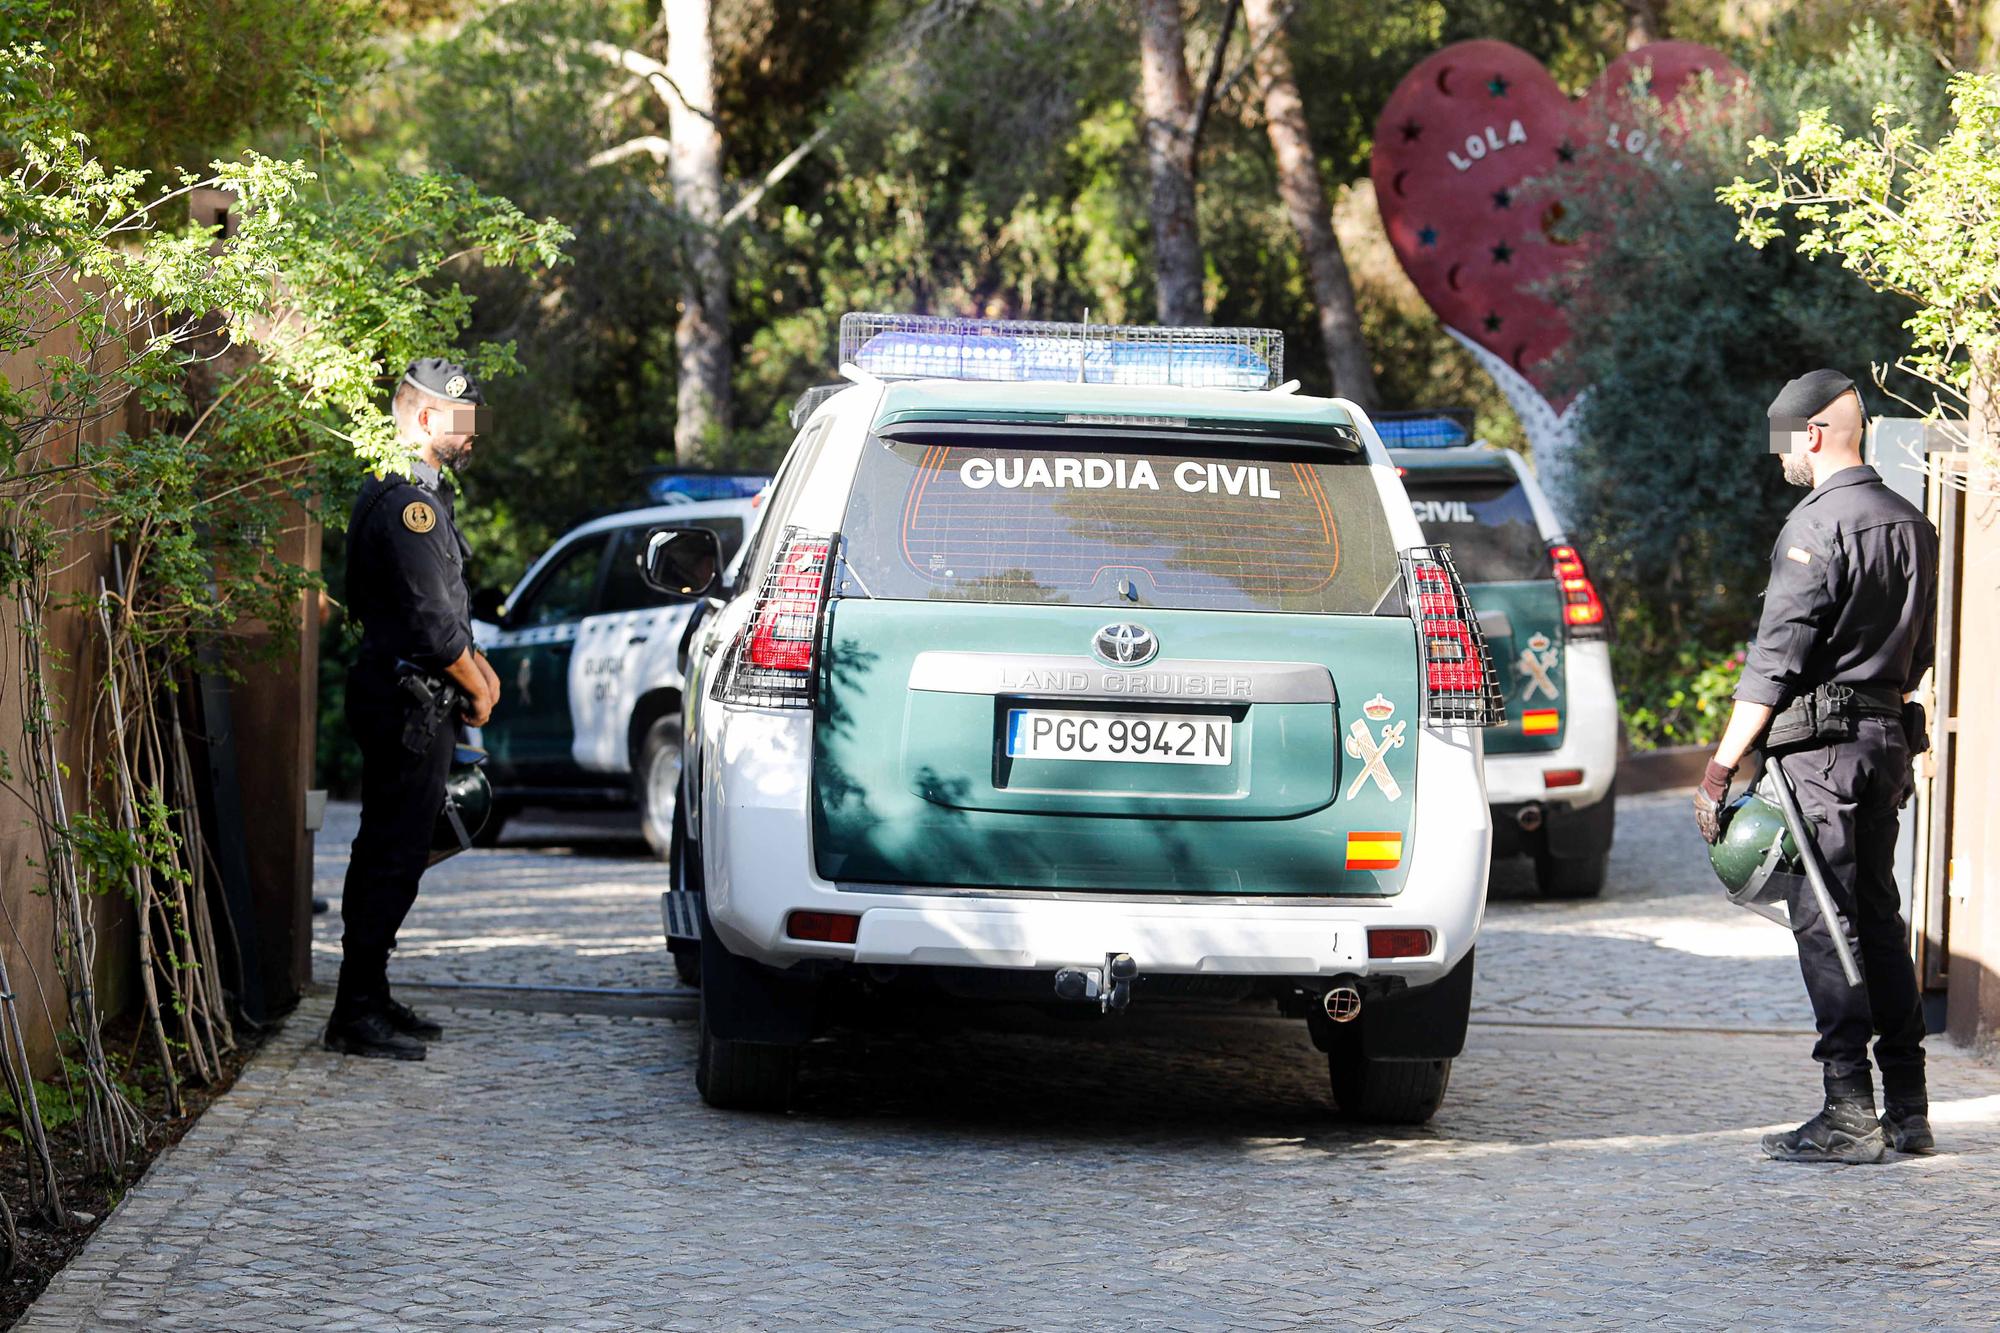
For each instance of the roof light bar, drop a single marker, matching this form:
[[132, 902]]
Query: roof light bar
[[945, 347], [1443, 428]]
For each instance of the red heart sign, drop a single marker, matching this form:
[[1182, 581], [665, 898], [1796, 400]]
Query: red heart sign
[[1454, 144]]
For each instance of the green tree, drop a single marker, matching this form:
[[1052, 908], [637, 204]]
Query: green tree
[[1681, 337]]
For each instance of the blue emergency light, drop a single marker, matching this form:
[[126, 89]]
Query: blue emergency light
[[1447, 429], [1031, 351]]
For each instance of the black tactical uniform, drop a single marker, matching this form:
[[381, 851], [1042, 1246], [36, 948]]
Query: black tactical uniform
[[1848, 629], [406, 583]]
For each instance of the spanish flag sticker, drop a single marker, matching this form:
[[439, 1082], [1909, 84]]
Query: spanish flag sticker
[[1541, 721], [1374, 851]]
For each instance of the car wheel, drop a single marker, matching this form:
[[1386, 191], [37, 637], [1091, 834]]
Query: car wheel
[[743, 1075], [1386, 1092], [1571, 877], [659, 783]]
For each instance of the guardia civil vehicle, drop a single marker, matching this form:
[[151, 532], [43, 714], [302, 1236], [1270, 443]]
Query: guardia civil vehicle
[[588, 657], [1552, 764], [1084, 667]]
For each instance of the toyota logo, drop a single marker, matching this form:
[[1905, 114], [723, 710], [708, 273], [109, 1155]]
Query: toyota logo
[[1125, 644]]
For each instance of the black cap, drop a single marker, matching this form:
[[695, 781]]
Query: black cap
[[1809, 394], [444, 379]]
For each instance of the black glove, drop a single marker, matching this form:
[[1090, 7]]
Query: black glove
[[1916, 728], [1709, 799]]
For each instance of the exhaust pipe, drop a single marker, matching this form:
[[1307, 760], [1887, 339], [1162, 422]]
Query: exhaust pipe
[[1343, 1003], [1530, 818]]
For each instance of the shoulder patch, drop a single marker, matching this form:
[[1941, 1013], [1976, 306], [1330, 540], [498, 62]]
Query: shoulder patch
[[420, 517], [1798, 553]]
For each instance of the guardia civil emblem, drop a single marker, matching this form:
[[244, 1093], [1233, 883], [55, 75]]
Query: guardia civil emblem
[[1534, 665], [419, 517], [455, 387]]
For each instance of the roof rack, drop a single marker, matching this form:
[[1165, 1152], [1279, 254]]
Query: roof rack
[[1043, 351]]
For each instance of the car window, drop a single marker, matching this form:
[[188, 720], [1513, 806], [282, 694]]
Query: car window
[[783, 496], [564, 590], [625, 587], [1099, 522], [1488, 523]]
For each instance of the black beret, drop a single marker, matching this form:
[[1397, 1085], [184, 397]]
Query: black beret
[[444, 379], [1809, 394]]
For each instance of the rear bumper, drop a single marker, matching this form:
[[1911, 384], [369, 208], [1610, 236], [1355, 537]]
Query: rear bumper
[[1590, 742], [757, 857]]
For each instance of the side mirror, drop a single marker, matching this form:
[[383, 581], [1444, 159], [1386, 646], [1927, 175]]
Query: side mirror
[[487, 605], [683, 563]]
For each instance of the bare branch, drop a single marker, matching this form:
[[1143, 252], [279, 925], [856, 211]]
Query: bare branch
[[1202, 107], [652, 71], [777, 173], [645, 143]]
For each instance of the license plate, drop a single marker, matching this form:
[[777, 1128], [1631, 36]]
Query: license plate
[[1124, 738]]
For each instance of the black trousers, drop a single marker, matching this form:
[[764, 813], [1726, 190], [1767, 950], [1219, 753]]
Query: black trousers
[[401, 794], [1850, 793]]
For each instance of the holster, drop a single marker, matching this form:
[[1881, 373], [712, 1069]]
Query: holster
[[427, 702], [1916, 728]]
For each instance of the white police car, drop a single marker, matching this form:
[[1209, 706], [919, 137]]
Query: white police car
[[588, 660], [1048, 679], [1552, 765]]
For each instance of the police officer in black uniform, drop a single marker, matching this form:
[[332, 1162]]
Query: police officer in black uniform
[[418, 674], [1847, 632]]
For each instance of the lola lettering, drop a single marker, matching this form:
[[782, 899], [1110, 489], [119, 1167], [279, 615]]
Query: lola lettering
[[1478, 146]]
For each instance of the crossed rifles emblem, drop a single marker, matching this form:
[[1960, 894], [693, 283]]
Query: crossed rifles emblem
[[1534, 663], [1373, 754]]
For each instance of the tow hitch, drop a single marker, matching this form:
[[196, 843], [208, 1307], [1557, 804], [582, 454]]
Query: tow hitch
[[1089, 983]]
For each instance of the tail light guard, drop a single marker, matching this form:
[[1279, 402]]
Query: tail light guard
[[1460, 685]]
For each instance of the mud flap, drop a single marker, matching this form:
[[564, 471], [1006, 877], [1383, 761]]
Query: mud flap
[[1421, 1023], [746, 1001]]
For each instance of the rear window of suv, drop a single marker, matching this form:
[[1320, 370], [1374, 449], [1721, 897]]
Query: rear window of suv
[[1264, 528], [1488, 523]]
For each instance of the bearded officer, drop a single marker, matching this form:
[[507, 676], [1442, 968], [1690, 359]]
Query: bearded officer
[[417, 666], [1847, 633]]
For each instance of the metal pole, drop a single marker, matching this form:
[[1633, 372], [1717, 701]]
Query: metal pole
[[1836, 925]]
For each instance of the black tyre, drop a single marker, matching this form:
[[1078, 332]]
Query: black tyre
[[1571, 877], [657, 784], [1386, 1092], [743, 1075], [1573, 853]]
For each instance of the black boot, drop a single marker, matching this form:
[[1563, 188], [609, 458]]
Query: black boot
[[411, 1023], [1846, 1130], [1907, 1126], [370, 1034]]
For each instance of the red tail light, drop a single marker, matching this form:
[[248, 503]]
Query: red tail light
[[1460, 685], [1397, 943], [773, 663], [826, 927], [1583, 609]]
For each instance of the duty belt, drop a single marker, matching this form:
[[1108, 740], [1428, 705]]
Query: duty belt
[[1829, 713]]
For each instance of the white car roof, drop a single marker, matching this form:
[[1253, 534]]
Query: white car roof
[[663, 515]]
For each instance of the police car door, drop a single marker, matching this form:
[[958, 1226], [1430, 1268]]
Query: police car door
[[630, 646], [532, 732]]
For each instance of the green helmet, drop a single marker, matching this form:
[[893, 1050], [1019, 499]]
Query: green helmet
[[468, 803], [1755, 845]]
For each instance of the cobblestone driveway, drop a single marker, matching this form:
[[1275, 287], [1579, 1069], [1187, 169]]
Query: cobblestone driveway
[[554, 1170]]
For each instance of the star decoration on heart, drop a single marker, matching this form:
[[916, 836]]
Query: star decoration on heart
[[1493, 123]]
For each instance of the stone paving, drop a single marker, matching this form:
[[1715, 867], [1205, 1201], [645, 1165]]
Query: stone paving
[[1594, 1165]]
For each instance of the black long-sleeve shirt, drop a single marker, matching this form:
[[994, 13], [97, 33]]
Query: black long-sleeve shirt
[[1853, 594], [406, 571]]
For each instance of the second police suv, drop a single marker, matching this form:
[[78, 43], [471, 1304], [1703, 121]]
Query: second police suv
[[1085, 666]]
